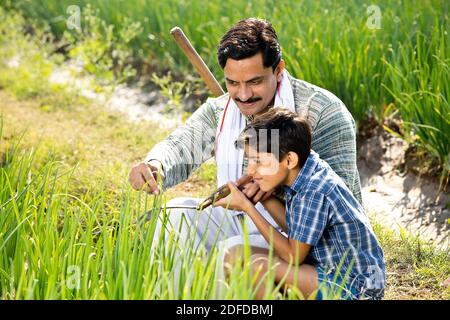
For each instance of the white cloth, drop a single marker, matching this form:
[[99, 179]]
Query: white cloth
[[211, 228], [229, 159], [254, 240]]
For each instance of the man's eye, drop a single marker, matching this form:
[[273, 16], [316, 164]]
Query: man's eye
[[232, 83], [255, 82]]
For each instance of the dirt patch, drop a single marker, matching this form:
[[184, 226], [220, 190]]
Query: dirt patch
[[401, 200], [139, 102]]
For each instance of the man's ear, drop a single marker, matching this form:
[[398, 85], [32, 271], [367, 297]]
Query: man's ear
[[279, 70], [292, 160]]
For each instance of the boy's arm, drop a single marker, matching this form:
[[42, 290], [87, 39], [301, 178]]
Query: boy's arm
[[290, 250], [277, 210]]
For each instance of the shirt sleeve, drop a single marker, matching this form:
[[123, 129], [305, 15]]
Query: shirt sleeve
[[334, 139], [308, 217], [185, 149]]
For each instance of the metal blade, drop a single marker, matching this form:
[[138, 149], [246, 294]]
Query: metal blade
[[181, 207], [148, 214]]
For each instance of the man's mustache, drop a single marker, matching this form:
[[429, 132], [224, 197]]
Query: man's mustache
[[251, 100]]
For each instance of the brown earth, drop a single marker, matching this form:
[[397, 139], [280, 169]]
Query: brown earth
[[401, 200]]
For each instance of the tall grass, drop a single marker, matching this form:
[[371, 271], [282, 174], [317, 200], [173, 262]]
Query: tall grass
[[419, 81], [55, 245], [328, 43], [325, 42]]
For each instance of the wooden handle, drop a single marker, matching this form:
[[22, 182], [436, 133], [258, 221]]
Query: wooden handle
[[197, 61]]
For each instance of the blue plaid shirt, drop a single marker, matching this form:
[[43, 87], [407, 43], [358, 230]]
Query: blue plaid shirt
[[322, 212]]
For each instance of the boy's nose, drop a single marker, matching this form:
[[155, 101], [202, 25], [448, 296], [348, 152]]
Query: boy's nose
[[251, 169]]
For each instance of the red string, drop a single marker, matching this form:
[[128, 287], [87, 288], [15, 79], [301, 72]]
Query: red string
[[221, 125], [279, 86]]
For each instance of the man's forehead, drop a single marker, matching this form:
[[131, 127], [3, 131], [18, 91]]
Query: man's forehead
[[252, 67]]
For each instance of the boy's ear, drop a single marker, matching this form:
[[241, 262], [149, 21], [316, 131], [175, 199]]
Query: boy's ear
[[292, 160]]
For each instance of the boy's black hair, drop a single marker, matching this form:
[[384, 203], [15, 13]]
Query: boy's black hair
[[248, 37], [294, 134]]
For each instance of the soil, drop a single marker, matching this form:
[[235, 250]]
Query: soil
[[397, 199]]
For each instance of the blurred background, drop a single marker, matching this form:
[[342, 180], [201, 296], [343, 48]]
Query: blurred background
[[92, 85]]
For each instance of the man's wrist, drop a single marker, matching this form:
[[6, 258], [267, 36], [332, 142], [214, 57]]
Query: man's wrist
[[155, 163]]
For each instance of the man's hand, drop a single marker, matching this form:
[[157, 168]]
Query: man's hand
[[251, 189], [144, 176]]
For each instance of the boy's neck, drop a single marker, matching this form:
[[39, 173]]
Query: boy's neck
[[292, 176]]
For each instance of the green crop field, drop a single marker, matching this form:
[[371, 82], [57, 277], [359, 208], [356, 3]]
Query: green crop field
[[68, 218], [402, 59]]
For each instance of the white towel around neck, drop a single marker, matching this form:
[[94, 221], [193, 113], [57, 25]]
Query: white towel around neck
[[229, 159]]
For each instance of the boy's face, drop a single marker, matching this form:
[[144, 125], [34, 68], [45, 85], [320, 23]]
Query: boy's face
[[266, 170]]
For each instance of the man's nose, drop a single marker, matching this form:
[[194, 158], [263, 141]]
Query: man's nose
[[244, 92]]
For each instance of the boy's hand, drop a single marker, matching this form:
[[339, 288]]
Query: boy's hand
[[236, 200], [251, 189]]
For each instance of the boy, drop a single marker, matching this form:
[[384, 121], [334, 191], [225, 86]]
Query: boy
[[329, 238]]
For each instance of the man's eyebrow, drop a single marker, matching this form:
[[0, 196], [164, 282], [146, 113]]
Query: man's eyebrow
[[252, 79], [255, 79]]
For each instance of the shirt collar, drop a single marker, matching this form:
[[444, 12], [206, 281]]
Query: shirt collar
[[304, 174]]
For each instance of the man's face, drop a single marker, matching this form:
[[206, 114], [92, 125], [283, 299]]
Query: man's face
[[251, 85]]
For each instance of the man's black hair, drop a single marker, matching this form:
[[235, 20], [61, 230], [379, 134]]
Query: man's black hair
[[247, 38]]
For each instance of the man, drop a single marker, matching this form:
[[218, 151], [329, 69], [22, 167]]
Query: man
[[256, 80]]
